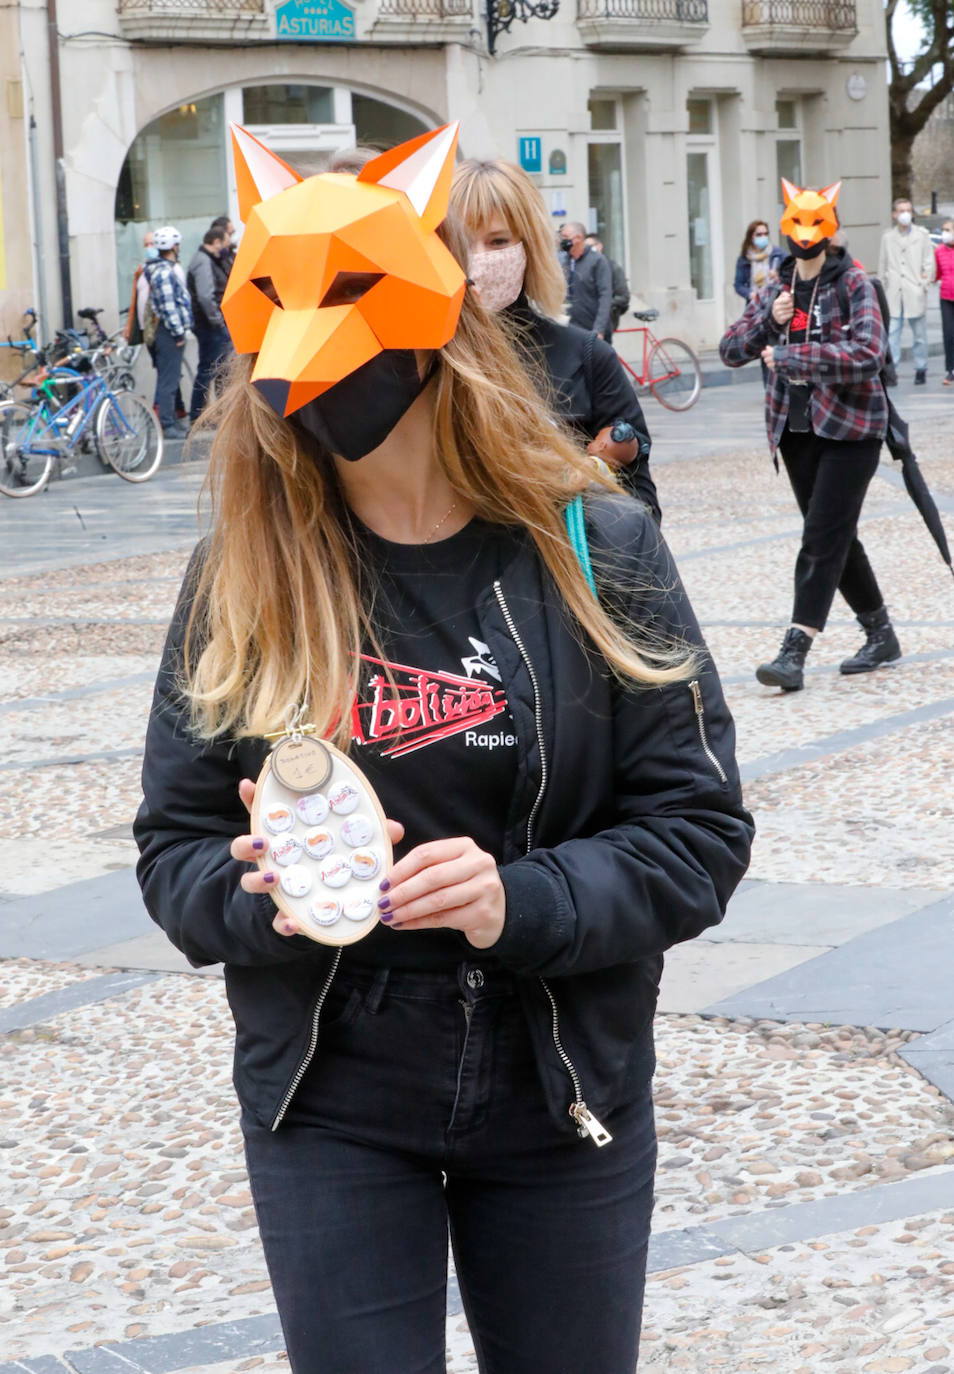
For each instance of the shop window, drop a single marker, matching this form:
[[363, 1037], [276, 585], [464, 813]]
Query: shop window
[[175, 173], [606, 198]]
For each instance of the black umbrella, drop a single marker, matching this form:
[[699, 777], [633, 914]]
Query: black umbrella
[[899, 443]]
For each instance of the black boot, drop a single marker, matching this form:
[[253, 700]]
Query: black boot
[[880, 646], [785, 670]]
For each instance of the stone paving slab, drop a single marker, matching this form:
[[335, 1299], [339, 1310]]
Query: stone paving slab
[[63, 922], [702, 973], [814, 913], [933, 1057], [897, 976]]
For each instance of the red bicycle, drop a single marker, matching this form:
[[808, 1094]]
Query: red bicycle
[[669, 367]]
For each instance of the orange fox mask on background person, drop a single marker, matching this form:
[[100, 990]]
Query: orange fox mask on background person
[[809, 216], [335, 269]]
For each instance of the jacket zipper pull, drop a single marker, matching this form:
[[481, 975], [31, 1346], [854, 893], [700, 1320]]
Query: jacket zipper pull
[[587, 1124]]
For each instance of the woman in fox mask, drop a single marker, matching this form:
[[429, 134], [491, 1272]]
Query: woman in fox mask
[[388, 552], [821, 338]]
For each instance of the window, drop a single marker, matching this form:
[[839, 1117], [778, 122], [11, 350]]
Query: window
[[786, 114], [602, 114], [700, 116], [287, 105], [606, 198], [788, 146]]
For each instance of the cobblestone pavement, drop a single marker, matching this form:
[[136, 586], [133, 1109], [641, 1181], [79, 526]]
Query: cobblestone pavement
[[805, 1197]]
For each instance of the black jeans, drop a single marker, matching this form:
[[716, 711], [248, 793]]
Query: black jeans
[[422, 1115], [168, 367], [830, 478], [947, 329], [214, 345]]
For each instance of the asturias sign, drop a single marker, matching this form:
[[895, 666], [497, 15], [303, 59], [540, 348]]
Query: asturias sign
[[315, 21]]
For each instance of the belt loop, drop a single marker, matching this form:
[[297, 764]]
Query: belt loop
[[376, 991]]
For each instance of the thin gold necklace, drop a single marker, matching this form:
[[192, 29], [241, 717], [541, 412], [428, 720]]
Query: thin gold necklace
[[446, 516]]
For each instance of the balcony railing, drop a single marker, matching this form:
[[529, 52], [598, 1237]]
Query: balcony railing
[[642, 24], [193, 19], [646, 11], [798, 25], [425, 9]]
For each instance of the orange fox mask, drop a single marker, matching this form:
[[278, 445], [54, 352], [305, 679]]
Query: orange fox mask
[[334, 269], [809, 216]]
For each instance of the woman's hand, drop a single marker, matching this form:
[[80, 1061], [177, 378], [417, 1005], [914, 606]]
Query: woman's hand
[[783, 307], [250, 848], [768, 356], [448, 885]]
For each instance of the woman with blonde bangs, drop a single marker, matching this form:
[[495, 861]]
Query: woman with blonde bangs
[[566, 806], [516, 270]]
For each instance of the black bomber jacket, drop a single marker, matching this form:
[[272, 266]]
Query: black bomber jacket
[[626, 834]]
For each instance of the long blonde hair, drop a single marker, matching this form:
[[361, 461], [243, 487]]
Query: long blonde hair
[[481, 190], [277, 615]]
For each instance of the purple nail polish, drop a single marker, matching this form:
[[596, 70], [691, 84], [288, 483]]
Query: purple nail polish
[[269, 877], [385, 903], [258, 844], [384, 884], [387, 915]]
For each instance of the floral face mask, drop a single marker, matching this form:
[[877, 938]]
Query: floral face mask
[[498, 275]]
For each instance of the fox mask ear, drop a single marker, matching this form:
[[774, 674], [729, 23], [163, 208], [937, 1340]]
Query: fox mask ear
[[790, 191], [422, 168], [259, 173], [830, 193]]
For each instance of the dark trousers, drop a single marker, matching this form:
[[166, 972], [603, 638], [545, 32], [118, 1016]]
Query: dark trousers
[[830, 478], [421, 1117], [168, 367], [947, 328], [214, 345]]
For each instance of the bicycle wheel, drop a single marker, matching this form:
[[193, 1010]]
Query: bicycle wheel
[[22, 472], [675, 377], [128, 435]]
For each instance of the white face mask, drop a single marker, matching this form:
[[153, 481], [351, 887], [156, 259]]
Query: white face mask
[[947, 235], [498, 275], [904, 218]]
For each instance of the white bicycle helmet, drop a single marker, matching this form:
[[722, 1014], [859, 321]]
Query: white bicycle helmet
[[165, 238]]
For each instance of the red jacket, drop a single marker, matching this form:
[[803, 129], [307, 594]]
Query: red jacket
[[944, 258]]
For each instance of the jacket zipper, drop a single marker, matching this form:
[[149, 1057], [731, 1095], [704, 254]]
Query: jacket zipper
[[312, 1043], [586, 1122], [696, 691], [537, 708]]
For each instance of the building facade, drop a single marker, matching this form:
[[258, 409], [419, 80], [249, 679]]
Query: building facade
[[662, 124]]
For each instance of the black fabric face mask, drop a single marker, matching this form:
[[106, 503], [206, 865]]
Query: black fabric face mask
[[358, 413], [811, 251]]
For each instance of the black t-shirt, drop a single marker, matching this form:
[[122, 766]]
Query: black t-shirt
[[438, 746], [803, 330]]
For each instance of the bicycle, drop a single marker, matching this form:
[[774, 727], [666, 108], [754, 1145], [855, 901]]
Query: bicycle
[[26, 345], [66, 408], [670, 369]]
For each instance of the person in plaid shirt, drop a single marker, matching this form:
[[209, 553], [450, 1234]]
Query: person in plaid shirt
[[169, 298], [826, 413]]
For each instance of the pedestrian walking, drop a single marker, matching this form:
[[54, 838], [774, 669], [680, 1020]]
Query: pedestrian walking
[[227, 256], [518, 274], [906, 270], [758, 261], [620, 299], [826, 411], [392, 552], [589, 283], [944, 267], [169, 301], [206, 288]]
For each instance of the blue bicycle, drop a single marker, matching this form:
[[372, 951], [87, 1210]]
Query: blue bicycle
[[66, 411]]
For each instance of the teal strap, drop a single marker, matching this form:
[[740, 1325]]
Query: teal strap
[[576, 529]]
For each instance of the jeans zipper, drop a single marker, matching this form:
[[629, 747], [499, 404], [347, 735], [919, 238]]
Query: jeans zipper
[[312, 1043], [696, 691], [586, 1122]]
